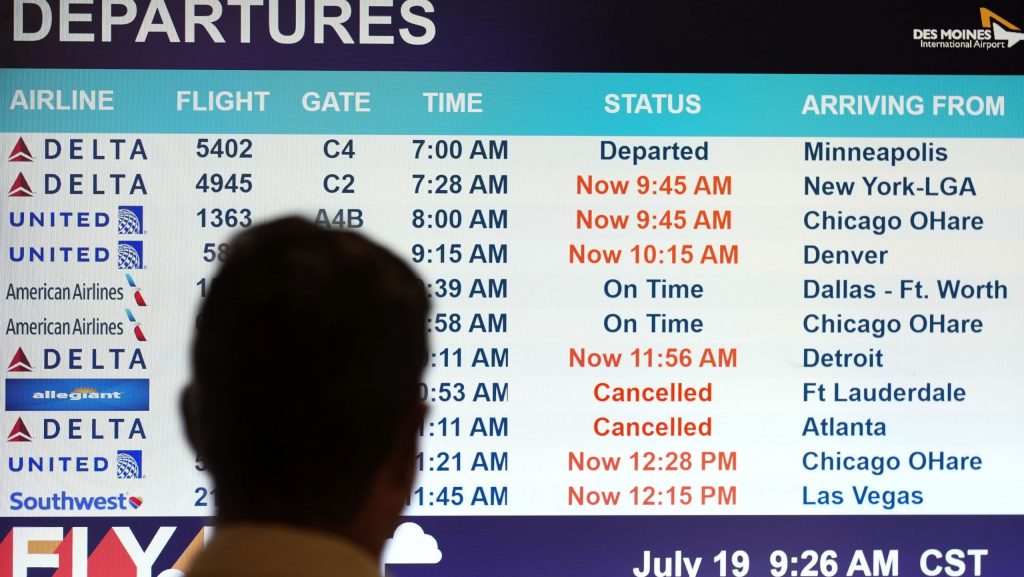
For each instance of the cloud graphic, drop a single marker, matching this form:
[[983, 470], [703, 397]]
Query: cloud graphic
[[411, 545]]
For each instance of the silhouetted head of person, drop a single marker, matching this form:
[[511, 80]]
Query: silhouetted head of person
[[305, 402]]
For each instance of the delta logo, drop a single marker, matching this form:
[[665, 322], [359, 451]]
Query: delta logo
[[163, 551], [20, 188], [75, 429], [76, 395], [19, 364], [78, 359], [65, 501], [995, 32], [19, 433], [20, 153]]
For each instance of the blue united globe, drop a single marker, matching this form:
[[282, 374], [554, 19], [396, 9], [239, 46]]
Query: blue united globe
[[128, 222], [128, 257], [127, 467]]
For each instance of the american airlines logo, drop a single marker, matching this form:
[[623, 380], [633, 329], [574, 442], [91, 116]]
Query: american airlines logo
[[138, 292], [137, 329]]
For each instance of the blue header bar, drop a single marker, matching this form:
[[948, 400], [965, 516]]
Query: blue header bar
[[284, 102]]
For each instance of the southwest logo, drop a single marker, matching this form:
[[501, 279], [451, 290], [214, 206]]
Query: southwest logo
[[20, 188], [64, 502], [138, 293], [20, 153], [19, 364], [129, 220], [77, 395], [19, 434], [139, 336], [129, 254], [129, 465]]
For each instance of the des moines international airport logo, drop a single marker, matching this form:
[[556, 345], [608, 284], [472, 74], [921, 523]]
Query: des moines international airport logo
[[994, 33]]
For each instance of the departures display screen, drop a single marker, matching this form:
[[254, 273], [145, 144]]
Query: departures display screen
[[715, 291]]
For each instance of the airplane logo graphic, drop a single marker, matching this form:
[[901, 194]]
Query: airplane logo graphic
[[1002, 29]]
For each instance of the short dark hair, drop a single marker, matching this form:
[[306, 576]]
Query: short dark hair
[[307, 357]]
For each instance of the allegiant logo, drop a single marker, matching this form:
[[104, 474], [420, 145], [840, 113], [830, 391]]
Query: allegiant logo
[[77, 395]]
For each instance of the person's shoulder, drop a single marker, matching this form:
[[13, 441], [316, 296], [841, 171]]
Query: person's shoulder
[[279, 550]]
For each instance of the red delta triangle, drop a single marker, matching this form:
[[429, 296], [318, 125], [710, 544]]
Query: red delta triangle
[[19, 364], [19, 434], [20, 153], [20, 188]]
